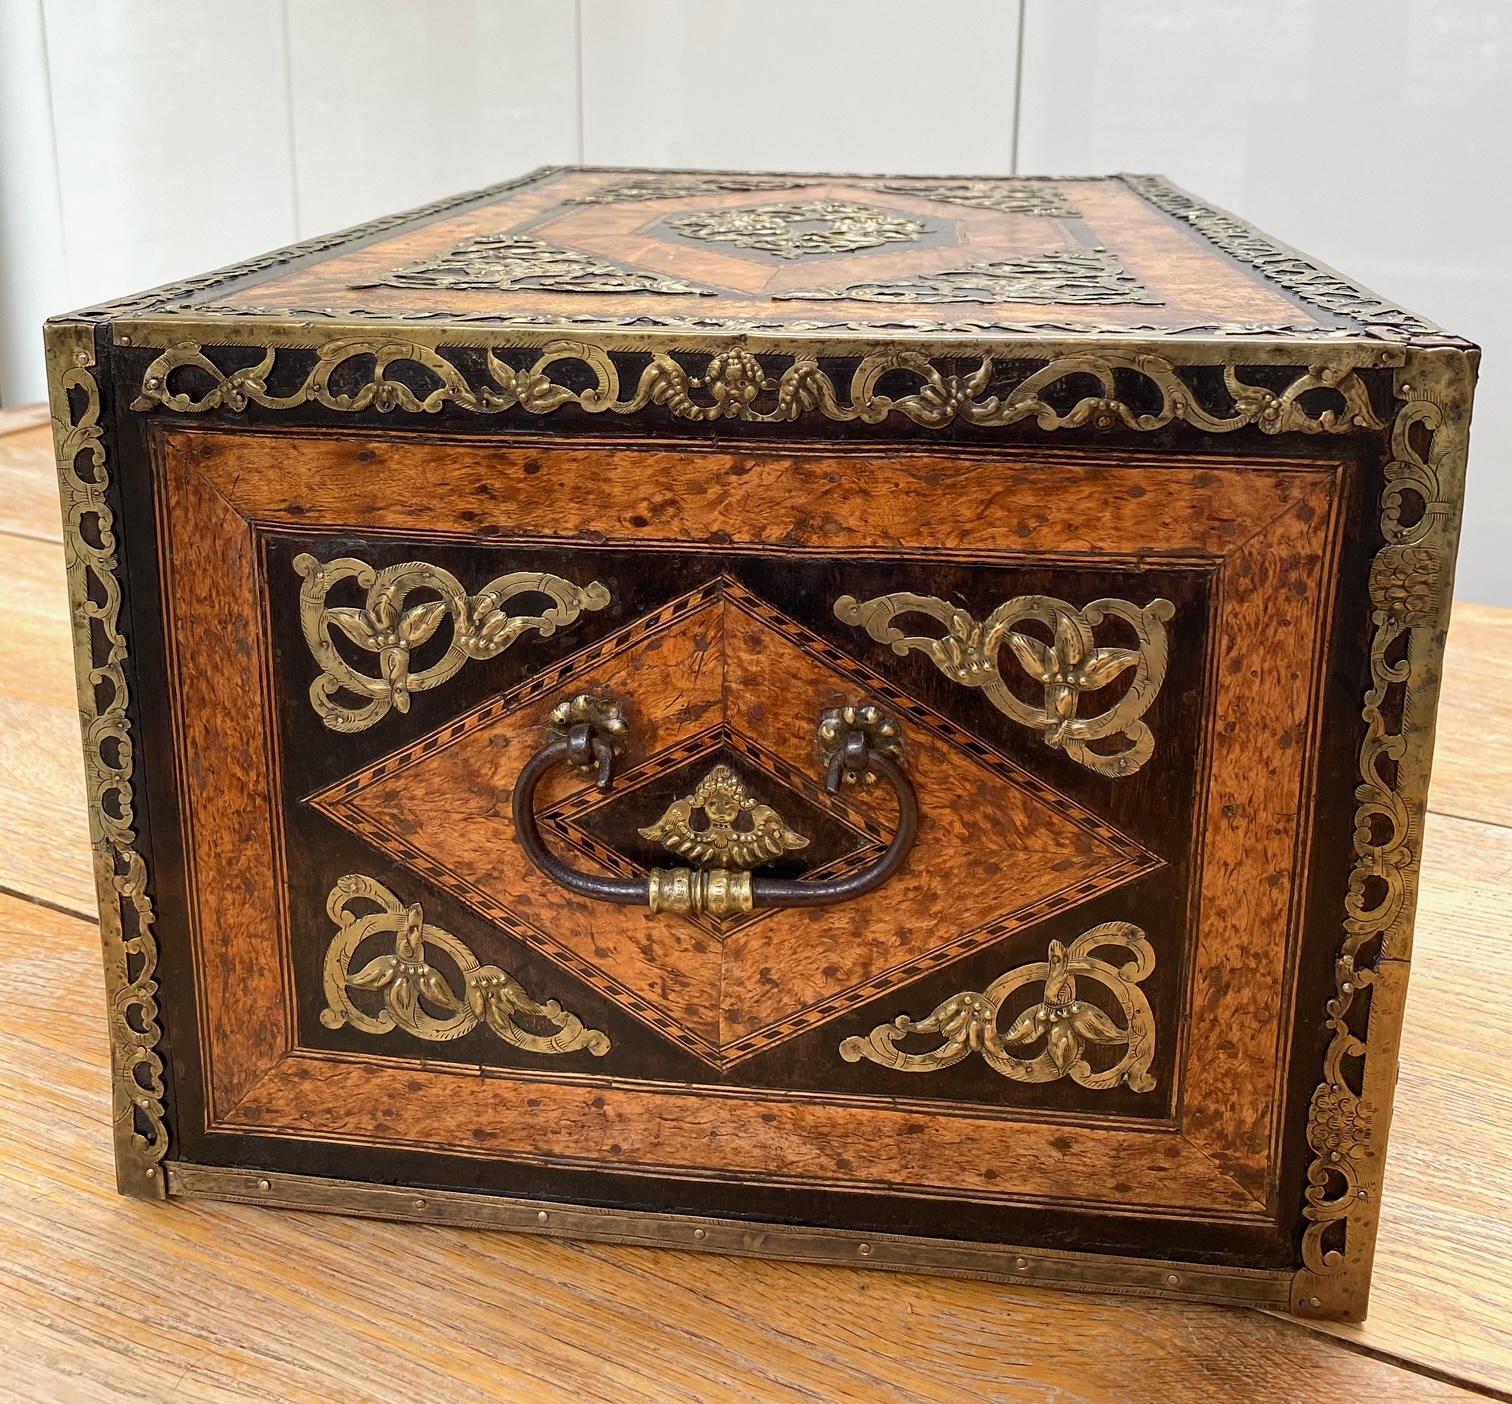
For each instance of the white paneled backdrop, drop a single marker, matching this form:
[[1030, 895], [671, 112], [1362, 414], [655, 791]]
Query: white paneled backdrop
[[141, 140]]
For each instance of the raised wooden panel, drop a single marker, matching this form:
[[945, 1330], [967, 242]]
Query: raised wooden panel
[[724, 666]]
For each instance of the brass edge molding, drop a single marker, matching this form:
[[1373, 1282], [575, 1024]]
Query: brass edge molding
[[482, 628], [968, 1022], [1304, 279], [969, 653], [411, 985], [735, 385], [1411, 584], [1088, 1272], [127, 935]]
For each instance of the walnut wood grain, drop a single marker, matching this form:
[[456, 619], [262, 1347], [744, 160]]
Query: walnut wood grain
[[749, 1138], [1276, 542], [1276, 597]]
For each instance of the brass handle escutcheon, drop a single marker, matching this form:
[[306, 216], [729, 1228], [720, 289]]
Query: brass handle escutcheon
[[858, 745]]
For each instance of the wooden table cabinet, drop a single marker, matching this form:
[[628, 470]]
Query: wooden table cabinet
[[848, 719]]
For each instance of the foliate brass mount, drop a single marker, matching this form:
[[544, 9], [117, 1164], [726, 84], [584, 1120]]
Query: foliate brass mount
[[1027, 197], [838, 726], [1067, 666], [799, 230], [499, 262], [735, 830], [1084, 276], [850, 753], [674, 186], [736, 384], [412, 987], [388, 626], [1061, 1020]]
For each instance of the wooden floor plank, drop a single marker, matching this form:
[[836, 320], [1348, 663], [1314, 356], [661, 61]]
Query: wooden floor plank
[[28, 482], [42, 814], [1472, 760], [115, 1299], [1443, 1283]]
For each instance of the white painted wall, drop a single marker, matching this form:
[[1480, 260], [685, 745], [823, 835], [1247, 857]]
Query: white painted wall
[[141, 140]]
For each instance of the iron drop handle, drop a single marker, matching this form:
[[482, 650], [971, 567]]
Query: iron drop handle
[[858, 744]]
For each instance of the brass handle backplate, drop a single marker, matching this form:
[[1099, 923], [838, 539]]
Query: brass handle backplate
[[857, 744]]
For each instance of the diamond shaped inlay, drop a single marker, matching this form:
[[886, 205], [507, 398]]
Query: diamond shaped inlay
[[997, 848]]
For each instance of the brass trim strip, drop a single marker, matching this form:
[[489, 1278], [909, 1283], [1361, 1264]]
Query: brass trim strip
[[835, 1247], [100, 663], [735, 385], [1411, 584]]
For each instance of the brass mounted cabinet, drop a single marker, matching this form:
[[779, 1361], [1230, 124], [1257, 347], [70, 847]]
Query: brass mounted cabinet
[[856, 719]]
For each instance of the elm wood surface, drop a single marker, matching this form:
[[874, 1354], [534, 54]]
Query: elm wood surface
[[114, 1299], [1194, 283]]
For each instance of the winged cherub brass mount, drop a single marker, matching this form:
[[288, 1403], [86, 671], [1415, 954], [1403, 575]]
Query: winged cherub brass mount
[[722, 824]]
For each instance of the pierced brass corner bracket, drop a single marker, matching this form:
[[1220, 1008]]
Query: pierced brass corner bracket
[[387, 625], [1070, 664], [1065, 1022], [413, 987]]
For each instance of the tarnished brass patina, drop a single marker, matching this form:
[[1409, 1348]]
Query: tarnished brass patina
[[493, 261], [387, 625], [798, 230], [735, 384], [1064, 1023], [737, 831], [1028, 197], [1088, 276], [127, 918], [412, 986], [1069, 664]]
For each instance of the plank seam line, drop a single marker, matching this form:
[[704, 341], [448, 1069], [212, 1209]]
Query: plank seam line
[[1391, 1357]]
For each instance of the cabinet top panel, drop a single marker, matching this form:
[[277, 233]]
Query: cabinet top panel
[[878, 258]]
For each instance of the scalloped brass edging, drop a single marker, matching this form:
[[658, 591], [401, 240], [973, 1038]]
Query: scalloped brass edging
[[735, 384], [127, 937], [409, 982], [1411, 581], [994, 1262]]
